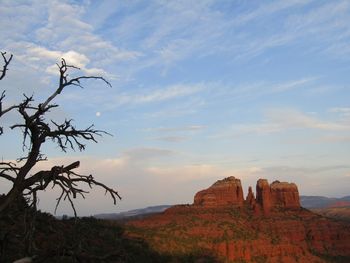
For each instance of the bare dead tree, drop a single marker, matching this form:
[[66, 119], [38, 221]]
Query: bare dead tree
[[36, 131]]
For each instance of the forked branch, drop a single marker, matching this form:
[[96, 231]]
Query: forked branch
[[7, 61], [67, 180], [64, 81]]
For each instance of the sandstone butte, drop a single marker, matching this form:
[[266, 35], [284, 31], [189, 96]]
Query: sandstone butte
[[229, 192], [271, 227]]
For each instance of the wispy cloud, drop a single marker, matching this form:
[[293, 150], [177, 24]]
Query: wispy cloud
[[175, 134], [146, 153], [172, 33], [263, 88], [343, 111], [252, 90], [165, 33], [171, 138], [60, 30], [278, 120], [158, 95], [332, 139], [178, 129], [287, 119]]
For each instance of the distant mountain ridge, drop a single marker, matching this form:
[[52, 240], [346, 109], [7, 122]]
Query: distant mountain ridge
[[135, 213], [337, 208], [310, 202], [323, 202]]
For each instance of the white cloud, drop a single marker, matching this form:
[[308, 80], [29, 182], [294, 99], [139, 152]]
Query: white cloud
[[279, 120], [267, 9], [175, 134], [178, 129], [37, 56], [256, 89], [187, 172], [171, 138], [158, 95], [145, 154], [60, 30], [288, 118], [164, 33], [332, 139], [186, 107], [344, 111]]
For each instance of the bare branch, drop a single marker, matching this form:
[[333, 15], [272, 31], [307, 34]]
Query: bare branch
[[66, 135], [64, 178], [64, 82], [8, 168], [6, 63], [2, 75], [7, 177]]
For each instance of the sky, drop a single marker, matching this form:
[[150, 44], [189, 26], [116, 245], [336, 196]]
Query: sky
[[201, 90]]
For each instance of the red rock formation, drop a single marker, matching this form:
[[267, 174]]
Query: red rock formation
[[277, 195], [215, 224], [229, 192], [250, 197], [224, 192], [285, 195], [263, 194]]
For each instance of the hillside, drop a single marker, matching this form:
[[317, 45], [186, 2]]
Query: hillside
[[269, 228], [336, 208], [43, 238], [133, 214], [323, 202], [341, 213]]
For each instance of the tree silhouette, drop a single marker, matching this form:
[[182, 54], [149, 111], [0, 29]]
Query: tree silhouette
[[37, 130], [7, 61]]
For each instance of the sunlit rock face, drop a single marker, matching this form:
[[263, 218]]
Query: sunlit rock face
[[285, 195], [224, 192], [263, 194], [229, 192], [277, 195]]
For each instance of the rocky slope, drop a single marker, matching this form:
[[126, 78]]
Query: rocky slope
[[269, 228], [341, 213]]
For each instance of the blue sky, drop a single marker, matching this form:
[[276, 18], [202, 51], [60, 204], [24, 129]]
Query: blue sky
[[201, 90]]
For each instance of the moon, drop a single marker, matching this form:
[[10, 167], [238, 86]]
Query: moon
[[98, 114]]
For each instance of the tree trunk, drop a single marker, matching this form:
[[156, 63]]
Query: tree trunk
[[10, 198]]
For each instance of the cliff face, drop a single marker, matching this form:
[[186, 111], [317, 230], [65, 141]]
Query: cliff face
[[224, 192], [285, 195], [269, 228], [229, 192], [277, 195]]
